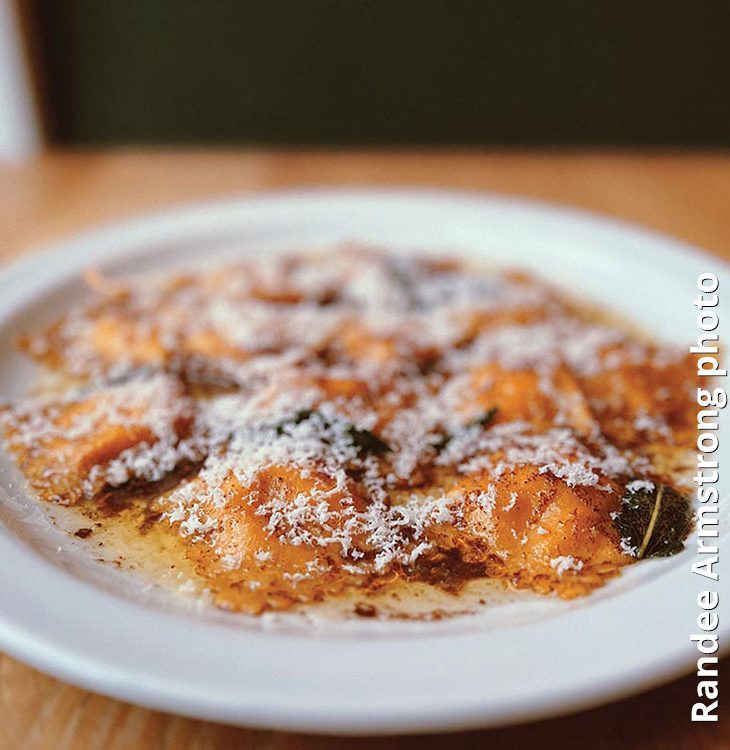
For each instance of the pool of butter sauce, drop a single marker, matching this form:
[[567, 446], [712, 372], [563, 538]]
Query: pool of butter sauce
[[151, 550]]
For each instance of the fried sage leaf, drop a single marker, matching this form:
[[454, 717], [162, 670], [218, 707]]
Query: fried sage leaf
[[484, 421], [301, 416], [365, 441], [654, 522]]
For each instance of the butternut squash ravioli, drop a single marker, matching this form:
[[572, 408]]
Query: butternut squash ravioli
[[321, 425]]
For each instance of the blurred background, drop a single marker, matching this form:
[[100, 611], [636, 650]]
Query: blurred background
[[364, 72]]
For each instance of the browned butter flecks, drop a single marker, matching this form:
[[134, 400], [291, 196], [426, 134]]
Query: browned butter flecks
[[314, 425]]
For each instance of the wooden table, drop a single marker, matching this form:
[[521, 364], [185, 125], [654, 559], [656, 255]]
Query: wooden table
[[62, 193]]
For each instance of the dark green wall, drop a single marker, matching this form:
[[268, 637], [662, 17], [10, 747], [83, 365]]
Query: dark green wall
[[359, 71]]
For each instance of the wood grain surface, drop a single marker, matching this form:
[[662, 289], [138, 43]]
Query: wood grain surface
[[58, 194]]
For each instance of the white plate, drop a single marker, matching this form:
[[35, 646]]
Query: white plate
[[527, 659]]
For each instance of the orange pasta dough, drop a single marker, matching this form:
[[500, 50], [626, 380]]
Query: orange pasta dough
[[315, 425]]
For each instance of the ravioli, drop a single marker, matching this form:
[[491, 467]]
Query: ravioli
[[314, 425], [74, 447]]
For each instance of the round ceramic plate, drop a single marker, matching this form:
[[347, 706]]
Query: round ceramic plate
[[522, 659]]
